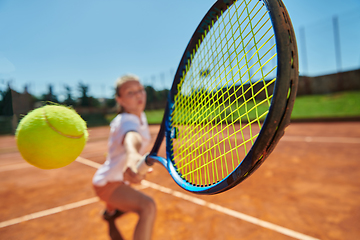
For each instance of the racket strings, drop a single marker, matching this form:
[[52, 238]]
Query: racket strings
[[231, 113], [239, 70], [257, 62], [197, 144], [245, 100], [224, 94]]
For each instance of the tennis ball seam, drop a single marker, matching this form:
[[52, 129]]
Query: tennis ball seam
[[59, 132]]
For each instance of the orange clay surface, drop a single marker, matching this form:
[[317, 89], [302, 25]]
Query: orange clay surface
[[310, 184]]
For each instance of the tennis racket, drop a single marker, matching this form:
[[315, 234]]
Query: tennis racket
[[231, 98]]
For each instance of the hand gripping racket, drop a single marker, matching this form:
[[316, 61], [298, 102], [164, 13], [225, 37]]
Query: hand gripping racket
[[231, 98]]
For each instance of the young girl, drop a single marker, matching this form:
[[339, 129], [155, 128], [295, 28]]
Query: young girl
[[129, 136]]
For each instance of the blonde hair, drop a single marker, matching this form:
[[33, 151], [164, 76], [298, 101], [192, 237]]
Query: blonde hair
[[123, 79], [120, 82]]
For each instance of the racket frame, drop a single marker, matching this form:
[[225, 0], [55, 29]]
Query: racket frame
[[277, 119]]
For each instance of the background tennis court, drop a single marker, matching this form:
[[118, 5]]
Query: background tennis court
[[309, 188]]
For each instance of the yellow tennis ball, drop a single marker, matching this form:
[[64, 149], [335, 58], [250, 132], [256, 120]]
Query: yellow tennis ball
[[51, 136]]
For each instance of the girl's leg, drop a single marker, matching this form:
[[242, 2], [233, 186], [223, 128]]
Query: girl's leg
[[127, 199], [113, 231]]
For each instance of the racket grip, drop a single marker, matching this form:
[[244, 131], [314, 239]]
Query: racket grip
[[142, 167]]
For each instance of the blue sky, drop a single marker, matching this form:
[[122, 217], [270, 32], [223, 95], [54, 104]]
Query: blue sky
[[67, 41]]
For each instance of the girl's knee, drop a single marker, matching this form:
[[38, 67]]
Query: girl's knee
[[148, 207]]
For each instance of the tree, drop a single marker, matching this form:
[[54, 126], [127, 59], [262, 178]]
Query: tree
[[69, 101], [84, 99], [50, 97], [6, 108], [162, 95], [110, 102], [151, 94]]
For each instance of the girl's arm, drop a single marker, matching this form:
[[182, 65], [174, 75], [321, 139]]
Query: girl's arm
[[132, 144]]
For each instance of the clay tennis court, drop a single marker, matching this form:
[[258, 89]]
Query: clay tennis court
[[309, 188]]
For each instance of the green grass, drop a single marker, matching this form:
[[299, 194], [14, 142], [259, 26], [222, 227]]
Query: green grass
[[335, 105], [110, 117], [154, 116], [224, 112]]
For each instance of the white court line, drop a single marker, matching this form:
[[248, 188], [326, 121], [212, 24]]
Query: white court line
[[321, 139], [286, 138], [88, 162], [14, 167], [216, 207], [26, 165], [54, 210], [48, 212], [174, 193], [17, 166], [230, 212]]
